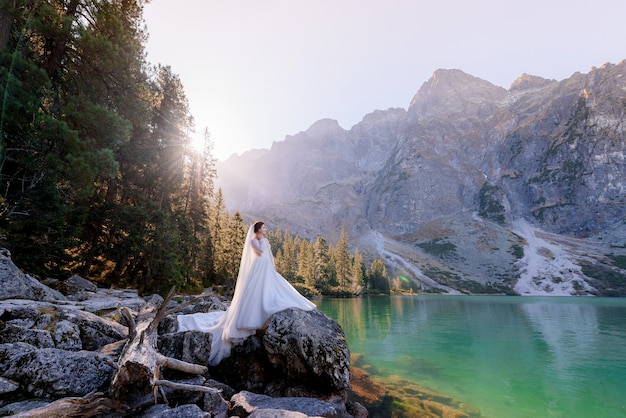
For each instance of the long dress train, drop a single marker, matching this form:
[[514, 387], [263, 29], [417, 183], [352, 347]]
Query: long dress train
[[260, 292]]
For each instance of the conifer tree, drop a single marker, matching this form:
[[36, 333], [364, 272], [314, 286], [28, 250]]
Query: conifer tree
[[287, 261], [321, 260], [343, 265], [358, 273], [379, 279], [306, 266]]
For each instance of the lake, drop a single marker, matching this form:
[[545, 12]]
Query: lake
[[504, 356]]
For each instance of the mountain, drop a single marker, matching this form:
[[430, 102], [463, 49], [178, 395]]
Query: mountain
[[473, 188]]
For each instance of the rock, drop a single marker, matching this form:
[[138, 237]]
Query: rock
[[73, 329], [216, 404], [51, 373], [356, 410], [10, 353], [168, 325], [67, 336], [7, 386], [301, 353], [245, 403], [183, 411], [190, 346], [184, 396], [75, 285], [35, 337], [95, 332], [112, 299], [22, 406], [309, 347], [276, 413], [247, 367], [48, 350], [14, 284]]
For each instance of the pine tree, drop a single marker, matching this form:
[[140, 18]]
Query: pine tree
[[379, 279], [287, 260], [343, 265], [306, 266], [321, 259], [358, 273]]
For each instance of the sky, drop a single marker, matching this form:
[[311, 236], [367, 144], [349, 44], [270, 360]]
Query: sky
[[256, 71]]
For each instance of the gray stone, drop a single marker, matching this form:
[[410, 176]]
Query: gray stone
[[245, 403], [216, 404], [67, 336], [111, 299], [14, 284], [7, 386], [10, 354], [22, 406], [75, 285], [36, 337], [95, 331], [190, 346], [276, 413], [309, 346], [51, 373], [184, 411]]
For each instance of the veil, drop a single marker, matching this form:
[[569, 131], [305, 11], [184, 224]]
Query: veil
[[247, 257]]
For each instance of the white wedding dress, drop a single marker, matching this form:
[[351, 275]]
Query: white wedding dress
[[260, 292]]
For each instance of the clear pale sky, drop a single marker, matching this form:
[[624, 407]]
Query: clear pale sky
[[255, 71]]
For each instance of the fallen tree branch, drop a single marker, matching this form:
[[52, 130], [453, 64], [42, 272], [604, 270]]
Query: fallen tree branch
[[181, 366], [90, 405], [185, 386]]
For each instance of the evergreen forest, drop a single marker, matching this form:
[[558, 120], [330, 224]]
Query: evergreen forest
[[99, 173]]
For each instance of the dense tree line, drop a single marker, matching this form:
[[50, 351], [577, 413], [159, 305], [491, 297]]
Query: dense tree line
[[320, 268], [98, 172]]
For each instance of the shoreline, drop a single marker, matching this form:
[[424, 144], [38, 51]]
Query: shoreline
[[396, 397]]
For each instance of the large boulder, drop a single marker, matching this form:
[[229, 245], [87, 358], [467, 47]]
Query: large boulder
[[14, 284], [301, 353], [52, 373], [308, 346]]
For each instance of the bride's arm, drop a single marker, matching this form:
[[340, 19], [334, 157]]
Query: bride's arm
[[256, 247]]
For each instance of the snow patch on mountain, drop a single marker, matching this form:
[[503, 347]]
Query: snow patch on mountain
[[547, 268]]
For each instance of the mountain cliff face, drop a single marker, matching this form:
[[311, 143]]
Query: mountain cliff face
[[474, 188]]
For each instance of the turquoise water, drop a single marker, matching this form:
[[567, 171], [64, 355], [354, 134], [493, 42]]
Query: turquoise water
[[506, 356]]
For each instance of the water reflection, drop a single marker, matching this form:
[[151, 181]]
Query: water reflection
[[509, 356]]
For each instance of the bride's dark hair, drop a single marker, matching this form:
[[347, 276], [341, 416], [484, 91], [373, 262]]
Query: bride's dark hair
[[258, 225]]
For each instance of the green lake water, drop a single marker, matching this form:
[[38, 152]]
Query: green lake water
[[505, 356]]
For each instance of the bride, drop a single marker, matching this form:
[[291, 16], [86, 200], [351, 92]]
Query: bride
[[260, 292]]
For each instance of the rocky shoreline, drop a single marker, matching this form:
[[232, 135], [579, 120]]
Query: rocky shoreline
[[60, 345]]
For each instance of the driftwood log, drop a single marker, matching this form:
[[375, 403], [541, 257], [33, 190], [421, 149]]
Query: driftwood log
[[90, 405], [139, 365]]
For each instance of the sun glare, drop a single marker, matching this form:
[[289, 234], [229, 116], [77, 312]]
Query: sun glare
[[197, 142]]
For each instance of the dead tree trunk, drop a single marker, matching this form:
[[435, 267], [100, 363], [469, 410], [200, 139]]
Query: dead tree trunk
[[91, 405], [140, 363]]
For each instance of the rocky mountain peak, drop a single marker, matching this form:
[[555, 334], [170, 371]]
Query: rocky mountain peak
[[466, 160], [451, 91], [527, 82]]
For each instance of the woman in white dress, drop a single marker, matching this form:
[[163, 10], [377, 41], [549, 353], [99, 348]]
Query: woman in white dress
[[260, 292]]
